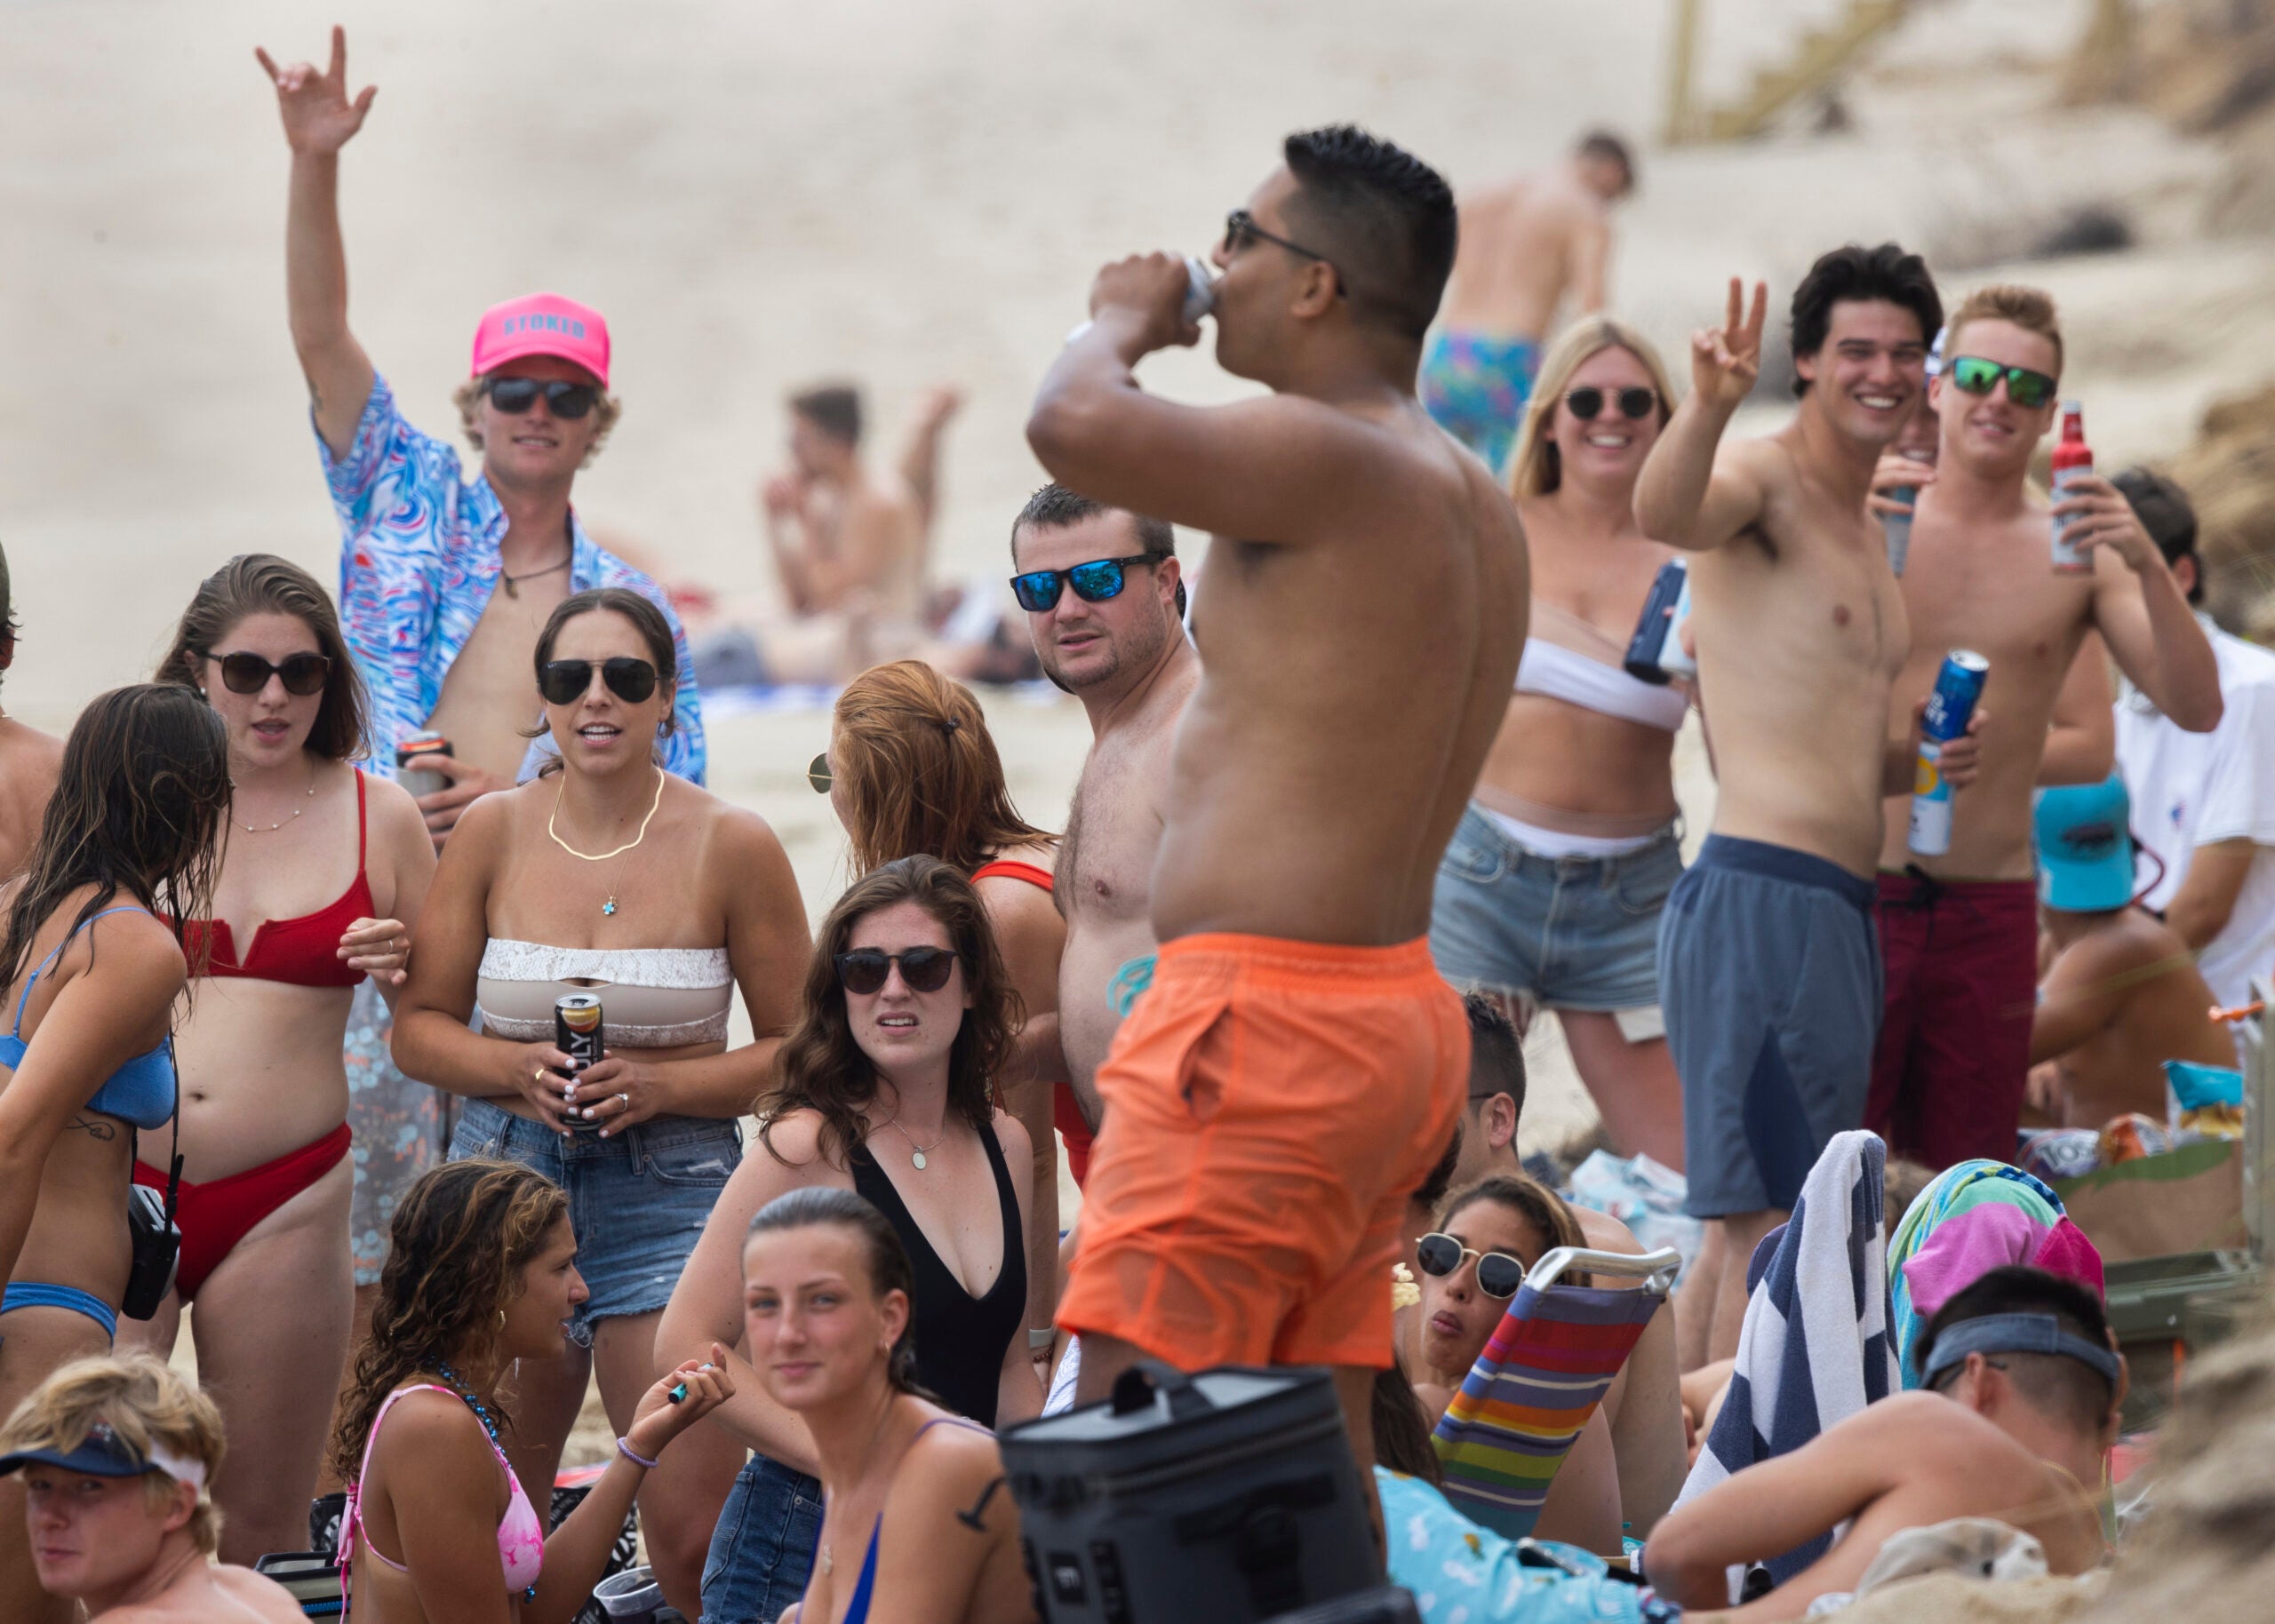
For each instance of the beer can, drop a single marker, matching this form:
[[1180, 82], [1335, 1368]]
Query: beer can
[[1655, 653], [409, 751], [1898, 527], [1199, 290], [576, 1033], [1951, 706]]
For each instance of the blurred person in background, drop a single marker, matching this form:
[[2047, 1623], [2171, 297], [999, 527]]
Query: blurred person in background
[[29, 759]]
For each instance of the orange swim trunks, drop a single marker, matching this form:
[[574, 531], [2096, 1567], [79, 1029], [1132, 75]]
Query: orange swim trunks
[[1269, 1106]]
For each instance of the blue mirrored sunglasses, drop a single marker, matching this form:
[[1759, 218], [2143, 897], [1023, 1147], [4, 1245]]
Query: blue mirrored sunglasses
[[1094, 583]]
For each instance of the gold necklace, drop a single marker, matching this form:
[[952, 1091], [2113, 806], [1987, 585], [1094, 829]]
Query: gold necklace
[[281, 822], [608, 907]]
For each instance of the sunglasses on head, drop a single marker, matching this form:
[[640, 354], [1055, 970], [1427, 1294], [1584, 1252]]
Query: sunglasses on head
[[1094, 583], [818, 774], [564, 682], [925, 969], [515, 395], [2025, 388], [249, 673], [1634, 403], [1499, 1275]]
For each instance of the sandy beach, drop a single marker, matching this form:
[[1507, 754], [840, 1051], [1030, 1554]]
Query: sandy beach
[[762, 194]]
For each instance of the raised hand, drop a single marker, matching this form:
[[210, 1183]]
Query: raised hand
[[318, 117], [1726, 361], [1146, 290]]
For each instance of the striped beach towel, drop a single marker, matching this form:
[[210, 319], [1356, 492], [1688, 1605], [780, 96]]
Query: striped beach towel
[[1544, 1371], [1816, 1347]]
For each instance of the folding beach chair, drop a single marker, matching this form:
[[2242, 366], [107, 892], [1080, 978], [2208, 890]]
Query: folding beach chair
[[1543, 1373]]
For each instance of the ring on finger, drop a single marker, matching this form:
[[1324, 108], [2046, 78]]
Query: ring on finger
[[626, 1099]]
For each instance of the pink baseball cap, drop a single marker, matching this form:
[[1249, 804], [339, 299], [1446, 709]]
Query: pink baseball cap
[[541, 324]]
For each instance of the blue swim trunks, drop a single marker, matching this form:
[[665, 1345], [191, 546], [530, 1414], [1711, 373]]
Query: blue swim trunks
[[1475, 385]]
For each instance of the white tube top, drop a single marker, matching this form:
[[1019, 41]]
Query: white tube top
[[1559, 663], [652, 997]]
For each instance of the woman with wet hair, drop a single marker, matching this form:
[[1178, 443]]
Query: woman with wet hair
[[319, 885], [91, 962], [607, 876], [885, 1089]]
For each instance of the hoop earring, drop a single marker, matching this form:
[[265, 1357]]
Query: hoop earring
[[501, 1319]]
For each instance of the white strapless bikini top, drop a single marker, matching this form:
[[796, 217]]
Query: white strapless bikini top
[[1567, 659], [652, 997]]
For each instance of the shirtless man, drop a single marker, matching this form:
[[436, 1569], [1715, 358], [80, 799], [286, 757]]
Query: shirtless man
[[842, 539], [2018, 1408], [30, 761], [1959, 931], [1127, 658], [2122, 994], [1525, 245], [1768, 962], [1297, 1064]]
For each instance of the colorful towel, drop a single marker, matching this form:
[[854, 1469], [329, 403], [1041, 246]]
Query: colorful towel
[[1461, 1573], [1815, 1349], [1976, 1216], [1544, 1371]]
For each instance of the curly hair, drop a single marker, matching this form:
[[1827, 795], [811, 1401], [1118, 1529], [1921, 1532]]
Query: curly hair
[[468, 396], [920, 774], [263, 584], [145, 1405], [820, 1068], [456, 1250], [137, 808]]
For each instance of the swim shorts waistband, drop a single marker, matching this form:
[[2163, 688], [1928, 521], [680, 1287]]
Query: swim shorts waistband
[[1303, 961], [1799, 868]]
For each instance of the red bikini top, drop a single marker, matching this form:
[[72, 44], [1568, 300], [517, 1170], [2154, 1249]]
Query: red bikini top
[[302, 952], [1011, 868]]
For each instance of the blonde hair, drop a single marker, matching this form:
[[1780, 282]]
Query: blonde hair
[[468, 396], [2032, 309], [145, 1405], [1533, 469]]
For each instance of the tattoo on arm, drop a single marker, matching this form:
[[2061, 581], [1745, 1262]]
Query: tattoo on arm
[[975, 1519], [95, 1127]]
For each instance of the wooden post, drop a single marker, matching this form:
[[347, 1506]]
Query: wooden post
[[1682, 126]]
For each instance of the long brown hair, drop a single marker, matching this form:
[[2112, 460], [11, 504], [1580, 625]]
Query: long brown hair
[[263, 584], [456, 1250], [921, 773], [137, 808], [820, 1068]]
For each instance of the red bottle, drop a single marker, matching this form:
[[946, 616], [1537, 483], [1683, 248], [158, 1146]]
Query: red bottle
[[2072, 459]]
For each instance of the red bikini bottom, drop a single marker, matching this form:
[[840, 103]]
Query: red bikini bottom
[[214, 1216]]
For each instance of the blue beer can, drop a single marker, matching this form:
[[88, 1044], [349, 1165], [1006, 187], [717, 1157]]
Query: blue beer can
[[1951, 706]]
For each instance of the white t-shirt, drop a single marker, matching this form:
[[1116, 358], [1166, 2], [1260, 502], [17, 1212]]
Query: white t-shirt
[[2198, 789]]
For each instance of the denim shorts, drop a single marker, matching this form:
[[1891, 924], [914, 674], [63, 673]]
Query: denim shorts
[[762, 1551], [1567, 933], [637, 1200]]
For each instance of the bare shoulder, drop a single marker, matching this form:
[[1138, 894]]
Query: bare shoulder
[[952, 1460], [394, 816], [488, 819], [1605, 1233], [793, 1141], [736, 834], [1928, 1428], [1018, 1148], [134, 944], [261, 1596]]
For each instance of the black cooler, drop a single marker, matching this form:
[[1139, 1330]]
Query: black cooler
[[1225, 1498]]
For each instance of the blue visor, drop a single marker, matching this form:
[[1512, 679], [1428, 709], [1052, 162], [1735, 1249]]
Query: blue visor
[[101, 1454], [2015, 1333]]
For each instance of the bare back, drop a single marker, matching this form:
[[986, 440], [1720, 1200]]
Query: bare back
[[1520, 242], [30, 761], [2159, 1016], [1351, 683], [1800, 631]]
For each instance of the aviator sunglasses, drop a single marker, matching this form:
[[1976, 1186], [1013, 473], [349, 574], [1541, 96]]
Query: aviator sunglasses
[[1635, 405], [564, 682], [515, 395], [1094, 583], [925, 969], [1499, 1275], [249, 673], [2025, 388]]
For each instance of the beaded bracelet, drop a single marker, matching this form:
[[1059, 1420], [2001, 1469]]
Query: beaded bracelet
[[625, 1450]]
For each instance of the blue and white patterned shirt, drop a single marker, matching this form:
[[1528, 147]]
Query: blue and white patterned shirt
[[418, 563]]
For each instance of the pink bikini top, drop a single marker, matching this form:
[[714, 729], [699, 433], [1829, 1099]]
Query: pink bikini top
[[520, 1537]]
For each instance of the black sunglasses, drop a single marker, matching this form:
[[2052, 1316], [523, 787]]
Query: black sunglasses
[[515, 395], [249, 673], [818, 774], [1499, 1275], [1240, 229], [2025, 388], [1094, 583], [925, 969], [1635, 405], [564, 682]]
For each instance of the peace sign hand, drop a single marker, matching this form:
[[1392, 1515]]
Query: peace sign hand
[[1725, 361], [319, 119]]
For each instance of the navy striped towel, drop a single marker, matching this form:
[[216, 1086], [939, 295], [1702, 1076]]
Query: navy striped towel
[[1815, 1347]]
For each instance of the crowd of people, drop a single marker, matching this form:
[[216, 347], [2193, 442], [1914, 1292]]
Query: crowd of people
[[1396, 787]]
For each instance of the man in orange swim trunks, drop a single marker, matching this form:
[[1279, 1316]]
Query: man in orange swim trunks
[[1297, 1064]]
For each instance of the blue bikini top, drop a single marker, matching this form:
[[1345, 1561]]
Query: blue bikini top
[[141, 1091]]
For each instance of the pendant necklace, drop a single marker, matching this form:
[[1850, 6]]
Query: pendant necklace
[[916, 1152], [608, 907]]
